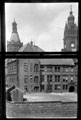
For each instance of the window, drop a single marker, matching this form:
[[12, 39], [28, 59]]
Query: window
[[25, 78], [63, 78], [57, 78], [57, 69], [14, 67], [36, 68], [49, 68], [25, 67], [36, 89], [57, 87], [42, 78], [30, 67], [65, 87], [36, 78], [49, 78], [42, 87], [50, 87]]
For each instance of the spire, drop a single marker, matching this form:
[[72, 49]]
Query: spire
[[14, 27], [71, 16], [71, 10]]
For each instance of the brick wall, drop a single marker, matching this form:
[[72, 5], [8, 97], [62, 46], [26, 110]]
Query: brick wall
[[41, 109]]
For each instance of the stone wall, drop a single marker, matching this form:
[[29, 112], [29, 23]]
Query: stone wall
[[41, 109]]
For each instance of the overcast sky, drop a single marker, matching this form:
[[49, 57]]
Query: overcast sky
[[43, 23]]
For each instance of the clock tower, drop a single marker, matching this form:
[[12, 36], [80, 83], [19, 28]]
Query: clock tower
[[70, 34]]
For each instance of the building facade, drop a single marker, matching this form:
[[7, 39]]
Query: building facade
[[43, 75]]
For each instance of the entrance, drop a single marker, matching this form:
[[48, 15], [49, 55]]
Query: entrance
[[36, 89], [71, 89]]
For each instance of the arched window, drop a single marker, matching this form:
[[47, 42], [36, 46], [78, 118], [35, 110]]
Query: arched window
[[36, 89], [36, 68], [36, 78]]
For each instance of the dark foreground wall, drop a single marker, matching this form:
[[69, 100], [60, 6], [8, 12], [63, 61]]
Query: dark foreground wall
[[41, 109]]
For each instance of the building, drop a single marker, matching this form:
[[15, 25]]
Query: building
[[15, 45], [70, 40], [70, 34], [43, 75]]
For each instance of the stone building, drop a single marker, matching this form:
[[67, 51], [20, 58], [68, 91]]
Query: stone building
[[70, 34], [43, 75], [58, 75]]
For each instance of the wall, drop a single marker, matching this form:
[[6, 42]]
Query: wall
[[42, 109]]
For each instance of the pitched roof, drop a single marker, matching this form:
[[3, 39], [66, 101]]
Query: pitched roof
[[30, 48], [18, 90], [11, 88], [56, 61]]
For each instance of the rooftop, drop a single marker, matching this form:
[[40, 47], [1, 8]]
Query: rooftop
[[29, 47], [56, 61]]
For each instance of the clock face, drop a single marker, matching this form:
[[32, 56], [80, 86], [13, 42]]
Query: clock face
[[72, 45]]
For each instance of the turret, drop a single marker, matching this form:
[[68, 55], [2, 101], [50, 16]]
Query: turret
[[14, 44]]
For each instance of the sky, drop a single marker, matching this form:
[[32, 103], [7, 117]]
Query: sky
[[43, 23]]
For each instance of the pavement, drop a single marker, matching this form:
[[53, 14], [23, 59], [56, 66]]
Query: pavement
[[64, 97]]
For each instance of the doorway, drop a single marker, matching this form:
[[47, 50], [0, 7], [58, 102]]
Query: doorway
[[71, 89]]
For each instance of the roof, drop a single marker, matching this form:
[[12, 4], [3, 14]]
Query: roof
[[11, 60], [15, 37], [18, 90], [56, 61], [30, 48], [11, 88], [52, 61]]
